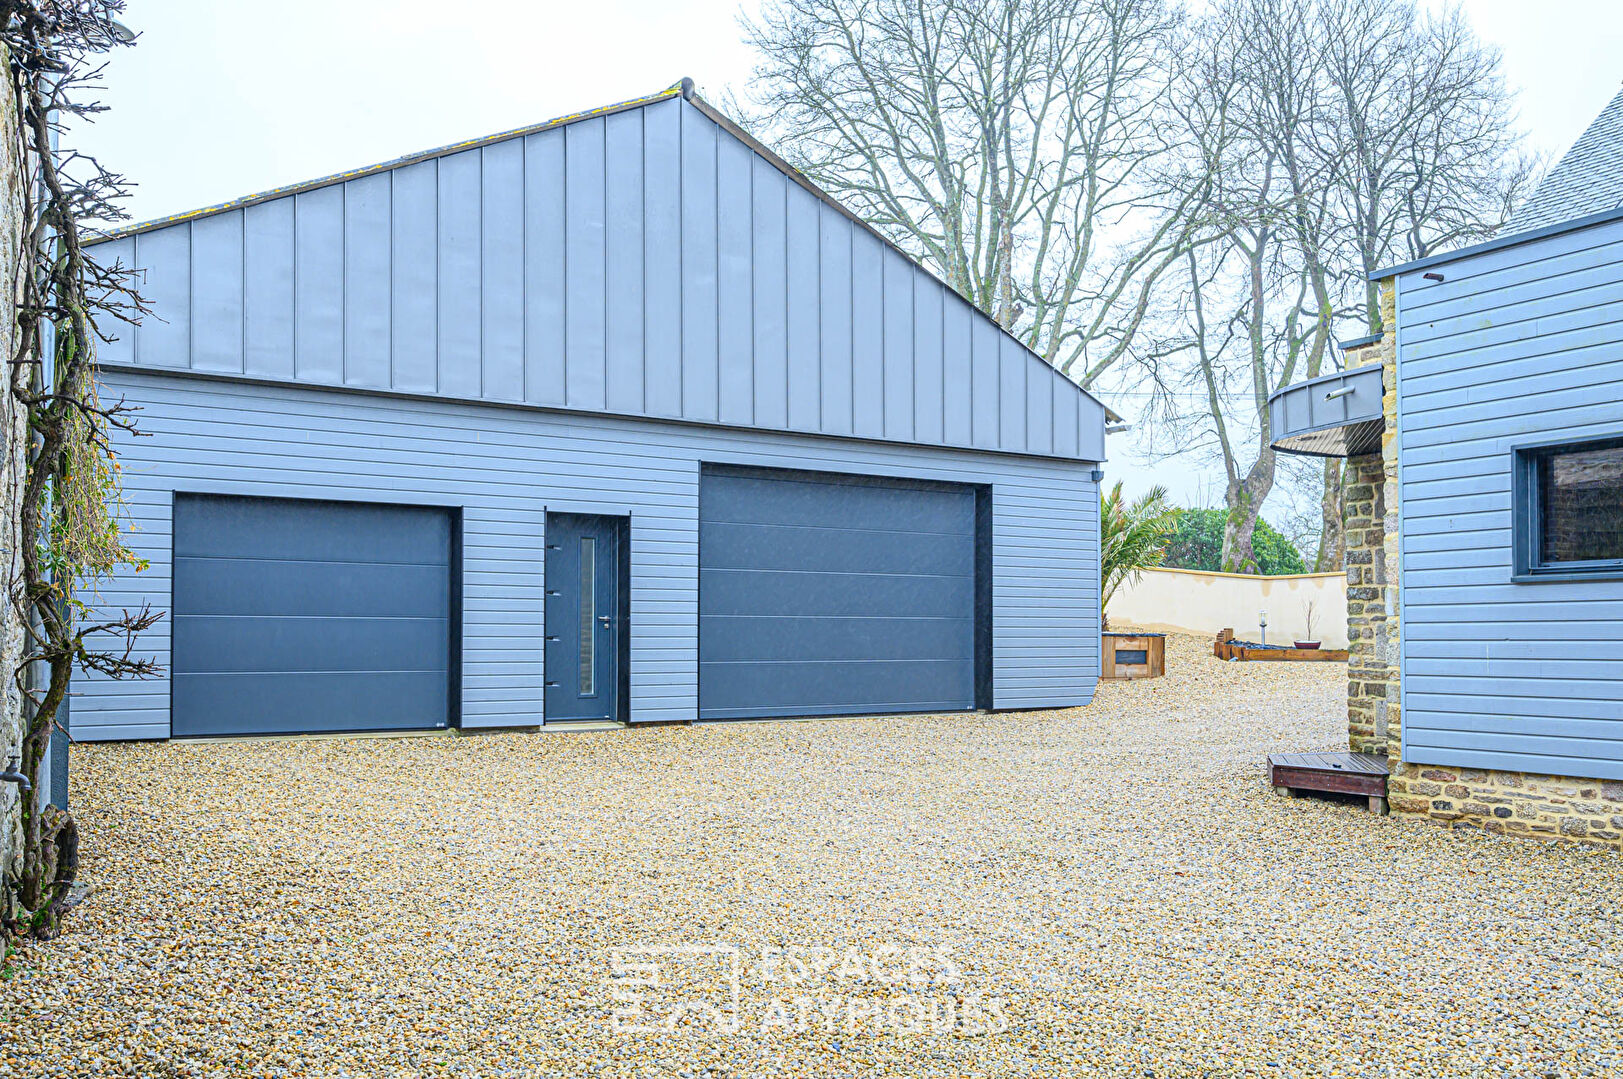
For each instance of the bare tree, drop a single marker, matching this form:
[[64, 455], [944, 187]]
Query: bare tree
[[1431, 155], [1021, 148], [1255, 307], [1354, 130]]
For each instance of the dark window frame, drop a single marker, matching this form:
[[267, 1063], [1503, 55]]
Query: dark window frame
[[1527, 518]]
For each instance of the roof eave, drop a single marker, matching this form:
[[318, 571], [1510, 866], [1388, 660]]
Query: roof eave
[[1499, 243]]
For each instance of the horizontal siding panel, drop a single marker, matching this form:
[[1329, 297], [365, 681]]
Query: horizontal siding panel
[[1508, 730], [1538, 606], [1512, 710], [1517, 345], [1504, 283], [1515, 760], [1549, 745], [1508, 266], [1499, 354], [1512, 687], [1535, 309], [507, 466], [1571, 629]]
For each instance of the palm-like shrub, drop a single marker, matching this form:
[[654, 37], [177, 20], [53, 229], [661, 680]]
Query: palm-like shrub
[[1133, 536]]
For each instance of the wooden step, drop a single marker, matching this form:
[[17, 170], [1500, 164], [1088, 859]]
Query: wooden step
[[1343, 773]]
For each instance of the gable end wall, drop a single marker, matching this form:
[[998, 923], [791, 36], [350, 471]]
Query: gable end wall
[[647, 263]]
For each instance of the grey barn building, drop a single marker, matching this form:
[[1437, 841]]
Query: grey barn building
[[616, 417]]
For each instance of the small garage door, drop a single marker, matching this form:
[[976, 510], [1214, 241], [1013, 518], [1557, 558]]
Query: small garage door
[[834, 596], [294, 616]]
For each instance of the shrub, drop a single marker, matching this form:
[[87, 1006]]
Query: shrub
[[1197, 543]]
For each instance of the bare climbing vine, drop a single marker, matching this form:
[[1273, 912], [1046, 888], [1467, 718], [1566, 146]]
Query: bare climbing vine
[[68, 506]]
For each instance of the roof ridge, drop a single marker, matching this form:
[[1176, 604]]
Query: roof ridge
[[682, 88], [1588, 178]]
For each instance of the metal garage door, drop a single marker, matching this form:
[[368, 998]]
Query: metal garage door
[[830, 596], [293, 616]]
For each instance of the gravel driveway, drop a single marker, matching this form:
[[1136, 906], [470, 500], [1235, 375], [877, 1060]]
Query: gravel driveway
[[1098, 891]]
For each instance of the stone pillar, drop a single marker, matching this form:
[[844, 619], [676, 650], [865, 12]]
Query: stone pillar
[[1388, 641], [1369, 508], [1368, 672]]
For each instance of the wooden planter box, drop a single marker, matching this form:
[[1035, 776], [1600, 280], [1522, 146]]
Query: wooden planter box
[[1125, 656], [1227, 647]]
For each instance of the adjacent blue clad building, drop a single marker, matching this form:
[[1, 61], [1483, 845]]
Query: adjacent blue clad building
[[613, 418], [1485, 438]]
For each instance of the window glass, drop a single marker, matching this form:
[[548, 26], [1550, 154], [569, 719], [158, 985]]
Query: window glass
[[1580, 511], [588, 616]]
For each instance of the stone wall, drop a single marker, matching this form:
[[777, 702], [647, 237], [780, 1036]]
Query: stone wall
[[1370, 674], [1511, 803], [11, 476]]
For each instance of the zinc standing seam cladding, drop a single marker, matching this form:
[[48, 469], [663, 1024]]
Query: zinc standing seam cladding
[[1517, 344], [523, 320], [644, 263]]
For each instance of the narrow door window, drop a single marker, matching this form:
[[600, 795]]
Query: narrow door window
[[588, 616]]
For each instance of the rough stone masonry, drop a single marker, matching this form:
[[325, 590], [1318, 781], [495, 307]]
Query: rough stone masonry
[[12, 461]]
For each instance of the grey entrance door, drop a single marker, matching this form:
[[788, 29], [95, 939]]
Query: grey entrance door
[[583, 621], [295, 616]]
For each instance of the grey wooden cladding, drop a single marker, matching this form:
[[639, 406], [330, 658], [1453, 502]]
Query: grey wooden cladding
[[505, 468], [1516, 344], [644, 263]]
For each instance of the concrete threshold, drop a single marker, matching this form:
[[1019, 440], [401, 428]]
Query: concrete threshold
[[576, 726], [562, 727], [313, 736]]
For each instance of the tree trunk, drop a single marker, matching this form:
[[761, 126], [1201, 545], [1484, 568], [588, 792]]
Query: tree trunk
[[45, 871], [1332, 531], [1238, 556], [1244, 499]]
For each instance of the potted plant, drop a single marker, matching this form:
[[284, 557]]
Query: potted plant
[[1310, 615], [1133, 537]]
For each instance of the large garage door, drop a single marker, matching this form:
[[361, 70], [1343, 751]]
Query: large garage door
[[293, 616], [831, 596]]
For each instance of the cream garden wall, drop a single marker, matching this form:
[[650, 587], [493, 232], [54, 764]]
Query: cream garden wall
[[1198, 602]]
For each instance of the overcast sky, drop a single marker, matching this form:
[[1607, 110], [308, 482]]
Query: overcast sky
[[222, 98]]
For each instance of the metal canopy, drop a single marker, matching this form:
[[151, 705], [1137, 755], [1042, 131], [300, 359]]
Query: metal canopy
[[1335, 415]]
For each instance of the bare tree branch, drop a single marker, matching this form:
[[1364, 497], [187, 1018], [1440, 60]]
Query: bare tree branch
[[1024, 149], [67, 529]]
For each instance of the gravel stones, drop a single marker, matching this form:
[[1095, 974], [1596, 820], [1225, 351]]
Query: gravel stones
[[1117, 876]]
